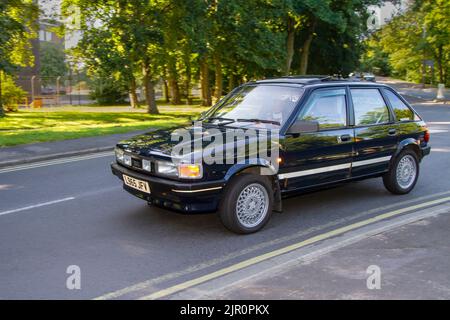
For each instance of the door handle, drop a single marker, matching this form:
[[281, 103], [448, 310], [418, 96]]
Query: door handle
[[392, 132], [344, 138]]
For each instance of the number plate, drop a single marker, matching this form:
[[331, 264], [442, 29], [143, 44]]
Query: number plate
[[136, 184]]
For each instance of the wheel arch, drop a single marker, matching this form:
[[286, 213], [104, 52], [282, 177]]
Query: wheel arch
[[257, 169], [408, 143]]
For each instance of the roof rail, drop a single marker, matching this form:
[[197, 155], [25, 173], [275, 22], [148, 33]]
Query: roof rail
[[314, 78]]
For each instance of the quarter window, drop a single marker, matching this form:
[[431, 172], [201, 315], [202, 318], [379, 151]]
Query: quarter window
[[327, 107], [369, 107], [401, 110]]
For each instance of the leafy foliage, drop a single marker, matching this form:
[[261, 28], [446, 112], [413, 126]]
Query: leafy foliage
[[12, 95], [52, 58], [422, 33], [18, 24]]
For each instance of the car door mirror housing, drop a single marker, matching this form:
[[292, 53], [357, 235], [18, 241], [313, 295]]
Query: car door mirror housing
[[301, 126]]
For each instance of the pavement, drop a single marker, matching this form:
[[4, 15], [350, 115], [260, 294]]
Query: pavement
[[29, 153], [412, 261], [68, 212], [414, 92]]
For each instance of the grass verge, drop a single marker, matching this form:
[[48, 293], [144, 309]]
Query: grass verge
[[54, 124]]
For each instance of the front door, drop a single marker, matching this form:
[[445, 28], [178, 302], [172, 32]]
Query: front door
[[315, 158]]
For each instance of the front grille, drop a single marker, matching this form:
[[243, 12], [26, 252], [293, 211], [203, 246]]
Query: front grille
[[136, 163]]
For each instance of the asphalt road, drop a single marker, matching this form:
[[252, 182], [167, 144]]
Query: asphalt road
[[76, 213]]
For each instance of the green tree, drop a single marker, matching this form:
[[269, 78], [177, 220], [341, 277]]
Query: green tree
[[128, 31], [421, 33], [338, 50], [53, 64], [436, 19], [18, 25]]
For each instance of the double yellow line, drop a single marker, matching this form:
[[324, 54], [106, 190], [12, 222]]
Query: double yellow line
[[252, 261]]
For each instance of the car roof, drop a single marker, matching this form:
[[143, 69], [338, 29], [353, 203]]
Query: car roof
[[305, 81]]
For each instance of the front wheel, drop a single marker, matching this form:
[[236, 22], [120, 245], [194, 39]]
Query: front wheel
[[247, 204], [403, 175]]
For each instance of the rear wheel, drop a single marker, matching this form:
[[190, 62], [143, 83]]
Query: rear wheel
[[403, 175], [247, 204]]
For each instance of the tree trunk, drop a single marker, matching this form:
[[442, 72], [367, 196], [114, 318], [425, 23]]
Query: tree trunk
[[166, 91], [174, 88], [174, 91], [231, 81], [188, 80], [149, 90], [305, 49], [204, 79], [2, 112], [219, 80], [440, 67], [134, 102], [290, 44]]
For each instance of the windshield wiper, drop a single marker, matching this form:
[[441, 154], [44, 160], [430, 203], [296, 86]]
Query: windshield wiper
[[227, 120], [260, 121]]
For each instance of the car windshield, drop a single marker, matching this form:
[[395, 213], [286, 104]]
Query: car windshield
[[256, 103]]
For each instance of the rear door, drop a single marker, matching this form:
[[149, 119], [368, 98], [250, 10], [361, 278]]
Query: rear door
[[314, 158], [375, 131]]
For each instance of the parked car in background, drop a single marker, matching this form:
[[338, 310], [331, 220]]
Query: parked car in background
[[362, 76]]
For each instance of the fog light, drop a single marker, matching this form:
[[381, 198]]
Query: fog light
[[127, 160], [146, 165]]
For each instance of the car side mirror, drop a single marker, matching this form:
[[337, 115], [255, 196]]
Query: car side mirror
[[301, 126]]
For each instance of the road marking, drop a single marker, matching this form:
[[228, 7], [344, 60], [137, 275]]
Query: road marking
[[287, 249], [437, 123], [220, 287], [56, 161], [145, 285], [435, 131], [36, 206]]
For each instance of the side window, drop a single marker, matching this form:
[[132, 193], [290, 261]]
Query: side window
[[327, 107], [369, 107], [401, 110]]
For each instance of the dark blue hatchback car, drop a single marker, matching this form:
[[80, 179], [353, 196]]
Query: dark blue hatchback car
[[322, 132]]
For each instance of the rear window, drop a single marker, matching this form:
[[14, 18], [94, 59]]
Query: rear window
[[369, 107], [401, 110]]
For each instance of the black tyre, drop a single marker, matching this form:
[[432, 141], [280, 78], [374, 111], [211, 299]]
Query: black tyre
[[403, 174], [247, 204]]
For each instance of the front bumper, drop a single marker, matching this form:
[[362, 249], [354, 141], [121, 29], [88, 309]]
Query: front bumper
[[187, 197]]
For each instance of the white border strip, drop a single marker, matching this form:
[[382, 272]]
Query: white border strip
[[314, 171], [371, 161], [199, 190], [332, 168]]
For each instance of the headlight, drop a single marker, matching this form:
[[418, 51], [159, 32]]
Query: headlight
[[119, 155], [167, 168], [146, 165], [190, 171]]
